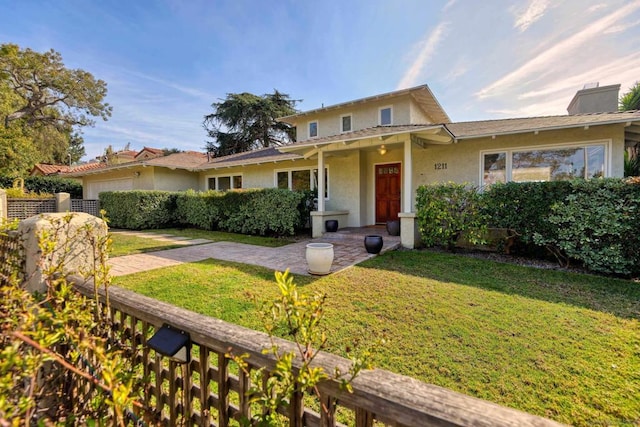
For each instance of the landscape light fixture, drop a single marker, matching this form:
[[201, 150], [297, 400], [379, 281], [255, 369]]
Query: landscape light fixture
[[382, 150], [173, 343]]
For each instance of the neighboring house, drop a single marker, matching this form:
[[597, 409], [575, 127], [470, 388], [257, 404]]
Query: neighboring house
[[148, 153], [45, 169], [367, 157]]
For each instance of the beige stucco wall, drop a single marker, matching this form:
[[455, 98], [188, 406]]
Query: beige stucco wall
[[464, 159], [364, 116], [144, 178], [174, 180]]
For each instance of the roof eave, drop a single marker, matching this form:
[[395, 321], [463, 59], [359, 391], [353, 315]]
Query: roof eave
[[541, 129]]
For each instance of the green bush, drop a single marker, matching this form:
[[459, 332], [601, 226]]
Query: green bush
[[445, 211], [139, 209], [524, 207], [267, 211], [46, 184], [200, 210], [597, 224]]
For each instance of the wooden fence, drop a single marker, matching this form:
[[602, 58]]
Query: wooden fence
[[92, 207], [206, 392]]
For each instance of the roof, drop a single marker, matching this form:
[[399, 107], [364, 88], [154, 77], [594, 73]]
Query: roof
[[422, 94], [377, 131], [478, 129], [188, 160], [48, 169], [263, 155]]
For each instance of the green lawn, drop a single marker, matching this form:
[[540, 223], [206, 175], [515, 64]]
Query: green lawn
[[126, 245], [561, 345]]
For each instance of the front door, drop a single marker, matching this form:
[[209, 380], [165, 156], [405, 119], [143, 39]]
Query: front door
[[388, 184]]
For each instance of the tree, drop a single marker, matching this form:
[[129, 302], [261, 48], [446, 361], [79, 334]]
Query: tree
[[631, 99], [42, 102], [244, 122]]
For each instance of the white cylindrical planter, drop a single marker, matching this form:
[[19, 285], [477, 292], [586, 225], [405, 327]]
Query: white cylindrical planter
[[319, 258]]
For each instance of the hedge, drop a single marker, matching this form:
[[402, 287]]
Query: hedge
[[595, 222], [260, 212], [46, 184], [139, 209]]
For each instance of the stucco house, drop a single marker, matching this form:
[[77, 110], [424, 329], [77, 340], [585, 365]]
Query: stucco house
[[367, 157]]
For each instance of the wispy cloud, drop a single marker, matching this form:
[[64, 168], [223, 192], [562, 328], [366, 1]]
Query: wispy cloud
[[449, 4], [534, 12], [426, 49], [622, 27], [555, 55], [196, 93], [596, 7]]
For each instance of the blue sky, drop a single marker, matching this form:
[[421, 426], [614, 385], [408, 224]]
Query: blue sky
[[166, 61]]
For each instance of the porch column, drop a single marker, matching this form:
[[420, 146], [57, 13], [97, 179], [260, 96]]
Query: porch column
[[408, 177], [409, 234], [320, 181]]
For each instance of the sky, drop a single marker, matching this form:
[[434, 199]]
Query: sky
[[166, 61]]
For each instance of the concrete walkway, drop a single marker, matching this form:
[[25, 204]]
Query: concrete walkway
[[348, 247]]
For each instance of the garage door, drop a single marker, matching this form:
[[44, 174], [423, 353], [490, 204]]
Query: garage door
[[97, 187]]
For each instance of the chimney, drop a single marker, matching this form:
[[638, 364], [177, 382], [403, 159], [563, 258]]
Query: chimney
[[593, 98]]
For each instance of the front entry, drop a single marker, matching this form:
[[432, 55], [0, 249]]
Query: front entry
[[388, 183]]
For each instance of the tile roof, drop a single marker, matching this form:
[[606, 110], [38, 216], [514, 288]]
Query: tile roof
[[183, 160], [48, 169]]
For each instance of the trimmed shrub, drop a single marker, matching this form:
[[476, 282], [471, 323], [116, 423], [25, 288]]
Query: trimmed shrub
[[597, 224], [200, 210], [46, 184], [139, 209], [524, 207], [445, 211], [267, 211]]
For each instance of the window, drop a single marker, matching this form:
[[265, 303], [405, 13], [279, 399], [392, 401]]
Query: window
[[544, 164], [301, 179], [345, 123], [386, 116], [224, 183], [313, 129]]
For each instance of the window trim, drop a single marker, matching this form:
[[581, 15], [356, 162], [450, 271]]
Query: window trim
[[307, 168], [317, 128], [576, 144], [390, 107], [230, 176], [350, 115]]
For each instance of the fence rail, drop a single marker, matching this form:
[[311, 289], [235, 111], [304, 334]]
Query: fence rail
[[92, 207], [10, 254], [25, 208], [206, 391]]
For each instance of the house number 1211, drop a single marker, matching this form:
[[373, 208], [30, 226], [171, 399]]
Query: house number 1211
[[440, 166]]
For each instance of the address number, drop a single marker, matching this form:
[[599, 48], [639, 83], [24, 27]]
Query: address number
[[440, 166]]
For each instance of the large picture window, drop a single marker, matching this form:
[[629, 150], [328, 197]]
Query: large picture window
[[224, 183], [301, 179], [559, 163]]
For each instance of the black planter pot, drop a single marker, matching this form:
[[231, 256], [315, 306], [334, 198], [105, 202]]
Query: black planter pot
[[373, 244], [393, 228], [331, 225]]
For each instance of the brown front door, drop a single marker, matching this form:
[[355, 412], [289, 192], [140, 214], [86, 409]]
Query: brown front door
[[387, 192]]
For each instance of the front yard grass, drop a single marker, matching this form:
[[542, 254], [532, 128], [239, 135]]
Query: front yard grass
[[124, 244], [561, 345]]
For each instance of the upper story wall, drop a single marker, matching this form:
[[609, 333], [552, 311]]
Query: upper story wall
[[405, 110]]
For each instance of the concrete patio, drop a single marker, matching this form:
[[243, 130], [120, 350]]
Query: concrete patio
[[348, 246]]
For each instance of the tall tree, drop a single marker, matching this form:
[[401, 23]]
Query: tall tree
[[244, 122], [44, 102], [631, 99]]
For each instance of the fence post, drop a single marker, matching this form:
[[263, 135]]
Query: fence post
[[76, 238], [63, 202], [3, 204]]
